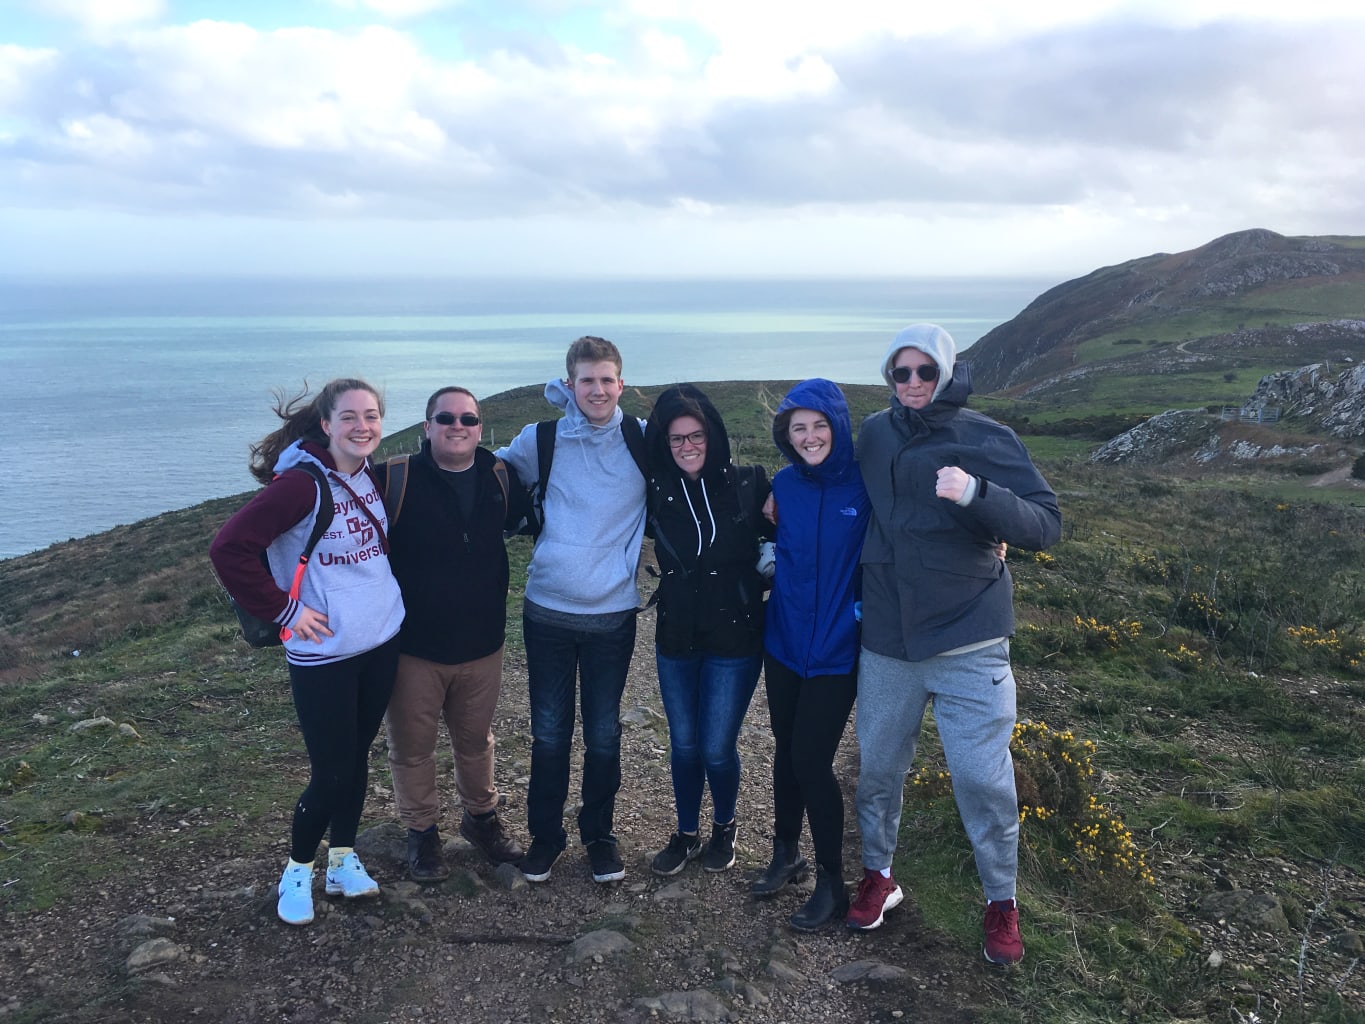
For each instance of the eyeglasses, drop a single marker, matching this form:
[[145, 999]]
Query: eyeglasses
[[927, 373], [696, 439], [447, 419]]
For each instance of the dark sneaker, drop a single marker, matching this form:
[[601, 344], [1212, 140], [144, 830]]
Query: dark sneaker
[[539, 859], [720, 851], [605, 861], [426, 863], [487, 834], [673, 858], [876, 895], [1003, 944]]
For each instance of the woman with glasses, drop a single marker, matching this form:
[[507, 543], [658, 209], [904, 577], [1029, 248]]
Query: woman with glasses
[[947, 486], [705, 516], [811, 642], [339, 612]]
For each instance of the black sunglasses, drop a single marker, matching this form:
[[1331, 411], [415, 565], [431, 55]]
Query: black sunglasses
[[447, 419], [927, 373]]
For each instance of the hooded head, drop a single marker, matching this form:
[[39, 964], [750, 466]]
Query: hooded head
[[935, 343], [822, 396], [685, 400]]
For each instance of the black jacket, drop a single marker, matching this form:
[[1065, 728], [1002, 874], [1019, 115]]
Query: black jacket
[[706, 534], [453, 574]]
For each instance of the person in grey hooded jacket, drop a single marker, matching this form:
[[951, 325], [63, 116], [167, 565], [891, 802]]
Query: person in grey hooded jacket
[[578, 618], [947, 485]]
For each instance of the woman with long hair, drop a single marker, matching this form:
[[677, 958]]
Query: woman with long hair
[[339, 626]]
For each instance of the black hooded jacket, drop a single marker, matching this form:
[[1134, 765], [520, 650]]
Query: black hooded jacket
[[706, 534]]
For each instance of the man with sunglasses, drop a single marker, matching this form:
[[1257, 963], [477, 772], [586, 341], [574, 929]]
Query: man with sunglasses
[[947, 485], [447, 552]]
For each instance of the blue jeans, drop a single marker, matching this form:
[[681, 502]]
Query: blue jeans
[[705, 698], [556, 659]]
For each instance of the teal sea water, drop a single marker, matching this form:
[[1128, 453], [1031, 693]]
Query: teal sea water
[[125, 398]]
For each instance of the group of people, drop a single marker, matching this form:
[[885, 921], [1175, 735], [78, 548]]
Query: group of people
[[888, 589]]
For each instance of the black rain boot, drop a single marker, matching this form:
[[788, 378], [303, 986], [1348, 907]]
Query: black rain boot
[[829, 902], [426, 863], [787, 866]]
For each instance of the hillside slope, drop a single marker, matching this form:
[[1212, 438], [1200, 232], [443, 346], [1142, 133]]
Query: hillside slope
[[1249, 277]]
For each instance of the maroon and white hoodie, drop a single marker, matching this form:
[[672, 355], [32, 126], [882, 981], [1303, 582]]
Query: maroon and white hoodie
[[348, 577]]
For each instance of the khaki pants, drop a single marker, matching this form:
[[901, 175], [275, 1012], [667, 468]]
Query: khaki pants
[[463, 696]]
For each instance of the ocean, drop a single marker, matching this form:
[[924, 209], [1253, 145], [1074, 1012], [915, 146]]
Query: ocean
[[125, 398]]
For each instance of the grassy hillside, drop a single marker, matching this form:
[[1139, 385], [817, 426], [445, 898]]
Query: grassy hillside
[[1192, 679]]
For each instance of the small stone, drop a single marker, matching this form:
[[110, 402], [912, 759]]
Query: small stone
[[153, 953]]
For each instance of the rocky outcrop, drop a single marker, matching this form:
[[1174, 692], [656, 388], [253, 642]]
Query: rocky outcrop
[[1332, 401], [1159, 439]]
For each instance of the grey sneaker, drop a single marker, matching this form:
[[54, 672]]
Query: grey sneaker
[[673, 858], [720, 851], [350, 879], [605, 861], [296, 895]]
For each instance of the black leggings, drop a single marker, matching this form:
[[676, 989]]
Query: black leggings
[[340, 706], [808, 718]]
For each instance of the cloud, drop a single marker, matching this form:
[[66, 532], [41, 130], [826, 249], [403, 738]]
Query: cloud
[[702, 110], [101, 17], [397, 9]]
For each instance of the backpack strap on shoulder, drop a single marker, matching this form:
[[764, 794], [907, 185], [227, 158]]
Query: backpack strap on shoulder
[[395, 486], [500, 471], [635, 441]]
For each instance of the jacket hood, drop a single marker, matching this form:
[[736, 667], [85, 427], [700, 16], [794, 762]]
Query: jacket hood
[[685, 400], [934, 342], [825, 397], [560, 395], [303, 451]]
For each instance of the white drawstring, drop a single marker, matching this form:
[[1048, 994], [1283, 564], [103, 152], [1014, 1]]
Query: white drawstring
[[695, 520]]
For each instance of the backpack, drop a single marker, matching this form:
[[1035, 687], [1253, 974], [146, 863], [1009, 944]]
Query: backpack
[[262, 632], [394, 485], [545, 454]]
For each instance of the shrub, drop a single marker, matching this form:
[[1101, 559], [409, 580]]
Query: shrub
[[1069, 835]]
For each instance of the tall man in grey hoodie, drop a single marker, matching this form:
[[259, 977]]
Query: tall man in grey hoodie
[[578, 618]]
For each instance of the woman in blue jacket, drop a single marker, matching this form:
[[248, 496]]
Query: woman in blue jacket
[[811, 639]]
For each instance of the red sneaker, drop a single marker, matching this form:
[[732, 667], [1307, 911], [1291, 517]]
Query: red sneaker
[[876, 895], [1003, 944]]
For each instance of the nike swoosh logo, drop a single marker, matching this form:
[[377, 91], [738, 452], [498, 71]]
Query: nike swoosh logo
[[997, 682]]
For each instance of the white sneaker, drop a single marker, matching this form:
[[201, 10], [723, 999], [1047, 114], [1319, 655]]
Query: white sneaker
[[350, 879], [296, 895]]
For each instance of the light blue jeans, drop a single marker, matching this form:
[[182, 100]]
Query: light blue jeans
[[974, 709], [705, 698]]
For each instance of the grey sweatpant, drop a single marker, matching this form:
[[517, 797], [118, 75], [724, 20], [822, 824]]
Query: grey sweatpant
[[974, 709]]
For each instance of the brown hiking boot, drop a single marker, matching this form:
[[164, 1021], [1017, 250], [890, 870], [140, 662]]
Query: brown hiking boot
[[486, 833]]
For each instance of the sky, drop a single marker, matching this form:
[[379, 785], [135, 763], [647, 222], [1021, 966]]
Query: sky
[[669, 138]]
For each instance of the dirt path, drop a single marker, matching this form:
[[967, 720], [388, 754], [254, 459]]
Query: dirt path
[[483, 946]]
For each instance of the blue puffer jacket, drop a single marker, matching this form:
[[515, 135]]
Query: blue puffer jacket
[[822, 515]]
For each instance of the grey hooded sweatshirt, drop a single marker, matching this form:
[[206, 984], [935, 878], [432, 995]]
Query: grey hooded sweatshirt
[[585, 558]]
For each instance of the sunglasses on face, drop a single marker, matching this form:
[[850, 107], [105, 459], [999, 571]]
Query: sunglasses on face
[[927, 373], [447, 419], [696, 438]]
